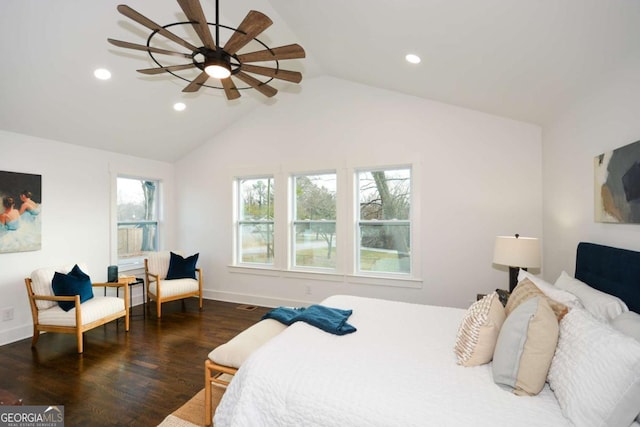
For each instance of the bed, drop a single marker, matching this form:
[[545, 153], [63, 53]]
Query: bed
[[399, 368]]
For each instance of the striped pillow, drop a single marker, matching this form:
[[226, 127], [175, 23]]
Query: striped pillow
[[479, 331]]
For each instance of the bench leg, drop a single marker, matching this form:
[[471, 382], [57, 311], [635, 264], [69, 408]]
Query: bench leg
[[208, 412]]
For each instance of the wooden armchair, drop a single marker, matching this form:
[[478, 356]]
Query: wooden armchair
[[162, 288], [50, 317]]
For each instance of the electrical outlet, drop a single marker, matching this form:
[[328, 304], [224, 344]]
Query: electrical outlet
[[308, 290], [7, 314]]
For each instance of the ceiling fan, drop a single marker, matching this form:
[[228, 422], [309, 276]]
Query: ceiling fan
[[213, 59]]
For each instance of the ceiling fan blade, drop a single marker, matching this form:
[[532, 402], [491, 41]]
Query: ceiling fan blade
[[135, 46], [143, 20], [253, 24], [193, 10], [290, 76], [230, 89], [197, 83], [292, 51], [263, 88], [165, 69]]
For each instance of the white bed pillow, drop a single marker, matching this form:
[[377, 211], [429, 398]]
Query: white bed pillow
[[628, 323], [595, 372], [601, 305], [553, 292]]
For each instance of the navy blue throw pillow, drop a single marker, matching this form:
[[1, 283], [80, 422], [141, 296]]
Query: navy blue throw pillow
[[76, 282], [182, 268]]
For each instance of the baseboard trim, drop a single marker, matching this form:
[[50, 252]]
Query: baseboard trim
[[16, 334], [253, 299]]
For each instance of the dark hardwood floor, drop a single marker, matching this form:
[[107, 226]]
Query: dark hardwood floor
[[124, 379]]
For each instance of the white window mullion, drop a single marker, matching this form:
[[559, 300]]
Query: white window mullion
[[280, 229], [344, 184]]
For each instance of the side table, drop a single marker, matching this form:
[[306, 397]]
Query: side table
[[132, 281]]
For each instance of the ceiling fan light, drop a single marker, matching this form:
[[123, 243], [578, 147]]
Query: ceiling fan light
[[102, 74], [217, 68], [413, 59]]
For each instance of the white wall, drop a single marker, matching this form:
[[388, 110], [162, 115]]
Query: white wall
[[481, 177], [76, 214], [608, 119]]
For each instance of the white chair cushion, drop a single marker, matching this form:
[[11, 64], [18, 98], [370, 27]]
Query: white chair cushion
[[94, 309], [41, 282], [159, 263], [236, 351], [173, 287]]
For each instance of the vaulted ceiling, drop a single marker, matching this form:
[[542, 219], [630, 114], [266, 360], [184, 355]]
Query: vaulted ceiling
[[526, 60]]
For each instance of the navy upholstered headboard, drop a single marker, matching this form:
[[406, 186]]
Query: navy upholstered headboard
[[611, 270]]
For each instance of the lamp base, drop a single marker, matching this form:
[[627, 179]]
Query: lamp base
[[513, 277]]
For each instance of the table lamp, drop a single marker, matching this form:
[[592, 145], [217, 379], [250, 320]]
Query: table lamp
[[516, 252]]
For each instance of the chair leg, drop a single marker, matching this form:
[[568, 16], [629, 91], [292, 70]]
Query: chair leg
[[36, 335], [79, 338], [159, 308]]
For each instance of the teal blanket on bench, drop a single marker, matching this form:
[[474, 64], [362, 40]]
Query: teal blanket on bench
[[332, 320]]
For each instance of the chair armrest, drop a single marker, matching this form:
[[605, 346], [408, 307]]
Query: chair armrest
[[54, 297], [75, 298]]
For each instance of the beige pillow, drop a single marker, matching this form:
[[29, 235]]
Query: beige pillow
[[525, 290], [525, 348], [477, 335]]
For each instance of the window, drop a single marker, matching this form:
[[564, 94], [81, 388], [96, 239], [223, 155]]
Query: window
[[350, 224], [255, 220], [137, 205], [384, 221], [314, 221]]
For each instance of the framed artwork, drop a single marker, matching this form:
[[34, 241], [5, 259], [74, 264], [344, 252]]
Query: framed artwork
[[617, 185], [21, 212]]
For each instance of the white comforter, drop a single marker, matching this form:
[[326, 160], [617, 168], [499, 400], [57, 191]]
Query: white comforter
[[398, 369]]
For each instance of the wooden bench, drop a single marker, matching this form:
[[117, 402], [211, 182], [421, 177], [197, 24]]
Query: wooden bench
[[227, 358]]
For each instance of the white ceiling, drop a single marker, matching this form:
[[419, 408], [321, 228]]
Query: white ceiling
[[527, 60]]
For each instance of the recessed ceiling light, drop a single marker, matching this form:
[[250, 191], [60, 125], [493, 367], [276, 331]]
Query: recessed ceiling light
[[102, 74], [414, 59], [179, 106]]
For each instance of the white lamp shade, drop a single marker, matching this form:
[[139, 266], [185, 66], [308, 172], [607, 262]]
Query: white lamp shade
[[517, 252]]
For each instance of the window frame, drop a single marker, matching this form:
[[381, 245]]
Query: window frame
[[293, 222], [239, 222], [133, 262], [380, 222], [346, 270]]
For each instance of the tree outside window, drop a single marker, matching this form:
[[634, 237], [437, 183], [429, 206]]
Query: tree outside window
[[384, 221], [137, 217], [255, 224], [314, 224]]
